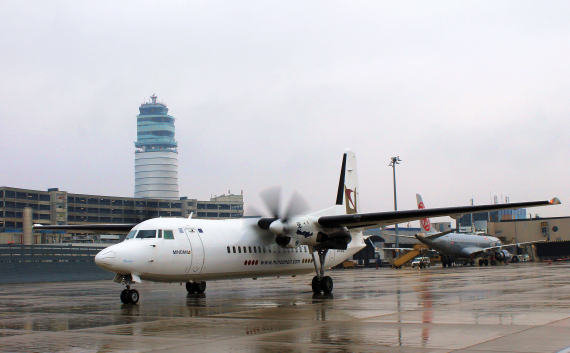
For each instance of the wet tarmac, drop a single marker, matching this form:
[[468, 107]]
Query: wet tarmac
[[514, 308]]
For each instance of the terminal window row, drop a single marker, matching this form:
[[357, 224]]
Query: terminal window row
[[127, 203], [213, 206], [265, 249], [102, 219], [119, 211], [9, 194], [13, 214], [13, 225], [216, 214], [21, 205]]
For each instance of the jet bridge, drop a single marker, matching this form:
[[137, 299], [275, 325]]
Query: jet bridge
[[409, 255]]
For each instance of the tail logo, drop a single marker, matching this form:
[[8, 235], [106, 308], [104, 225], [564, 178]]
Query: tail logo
[[350, 203], [426, 224]]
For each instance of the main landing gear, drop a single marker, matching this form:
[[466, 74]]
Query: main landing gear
[[196, 287], [321, 283], [484, 262]]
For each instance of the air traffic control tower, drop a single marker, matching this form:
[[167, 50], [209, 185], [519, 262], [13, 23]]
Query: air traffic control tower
[[156, 154]]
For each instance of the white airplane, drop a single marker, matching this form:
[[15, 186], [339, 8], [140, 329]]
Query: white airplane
[[194, 251], [467, 247]]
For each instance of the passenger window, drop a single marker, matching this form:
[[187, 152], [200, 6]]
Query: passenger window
[[146, 234], [264, 249], [168, 234], [250, 249], [255, 249], [239, 249], [245, 250], [234, 248], [259, 249], [131, 234], [228, 249], [160, 233], [270, 249]]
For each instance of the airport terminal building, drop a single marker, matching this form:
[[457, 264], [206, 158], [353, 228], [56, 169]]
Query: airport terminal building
[[56, 207]]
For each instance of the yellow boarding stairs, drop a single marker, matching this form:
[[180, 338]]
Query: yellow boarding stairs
[[408, 256]]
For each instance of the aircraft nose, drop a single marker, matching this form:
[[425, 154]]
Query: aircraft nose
[[105, 259]]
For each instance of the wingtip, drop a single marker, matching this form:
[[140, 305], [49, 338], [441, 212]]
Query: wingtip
[[555, 201]]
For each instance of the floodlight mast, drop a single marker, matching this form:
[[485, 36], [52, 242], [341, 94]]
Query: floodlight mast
[[393, 162]]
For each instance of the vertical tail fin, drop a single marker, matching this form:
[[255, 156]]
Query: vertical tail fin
[[347, 194], [425, 223]]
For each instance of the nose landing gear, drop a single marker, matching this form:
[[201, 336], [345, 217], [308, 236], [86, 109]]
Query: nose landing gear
[[321, 283], [128, 296]]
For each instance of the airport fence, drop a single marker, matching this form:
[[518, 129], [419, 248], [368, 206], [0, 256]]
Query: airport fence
[[49, 263]]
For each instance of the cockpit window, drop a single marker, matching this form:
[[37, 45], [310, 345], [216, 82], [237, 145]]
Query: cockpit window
[[131, 234], [168, 234], [145, 234]]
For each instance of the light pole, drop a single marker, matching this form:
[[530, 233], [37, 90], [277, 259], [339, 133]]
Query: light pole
[[393, 162]]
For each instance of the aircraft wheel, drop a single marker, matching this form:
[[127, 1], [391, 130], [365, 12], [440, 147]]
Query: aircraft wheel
[[480, 262], [190, 287], [327, 284], [133, 296], [486, 262], [315, 285], [124, 298], [200, 287]]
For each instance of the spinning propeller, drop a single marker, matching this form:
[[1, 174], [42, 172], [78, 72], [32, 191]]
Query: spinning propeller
[[278, 222]]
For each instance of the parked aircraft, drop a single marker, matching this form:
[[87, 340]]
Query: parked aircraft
[[194, 251], [453, 246]]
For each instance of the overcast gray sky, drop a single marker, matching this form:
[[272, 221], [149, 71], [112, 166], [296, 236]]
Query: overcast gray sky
[[474, 96]]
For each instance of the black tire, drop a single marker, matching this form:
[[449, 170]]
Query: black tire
[[133, 296], [316, 285], [190, 287], [486, 262], [480, 262], [443, 262], [327, 285], [200, 287], [124, 298]]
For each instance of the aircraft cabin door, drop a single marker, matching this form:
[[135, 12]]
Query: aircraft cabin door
[[197, 251]]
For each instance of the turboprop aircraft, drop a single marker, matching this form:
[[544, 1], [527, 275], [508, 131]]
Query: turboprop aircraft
[[194, 251], [454, 246]]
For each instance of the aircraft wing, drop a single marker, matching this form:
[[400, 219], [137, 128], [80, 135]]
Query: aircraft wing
[[381, 219], [505, 246], [93, 227]]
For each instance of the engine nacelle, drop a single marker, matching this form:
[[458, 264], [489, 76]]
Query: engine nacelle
[[503, 255]]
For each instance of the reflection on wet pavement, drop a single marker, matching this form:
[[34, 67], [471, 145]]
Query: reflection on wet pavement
[[518, 308]]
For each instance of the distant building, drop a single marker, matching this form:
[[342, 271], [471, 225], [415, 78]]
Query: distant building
[[60, 207], [495, 216], [156, 156]]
